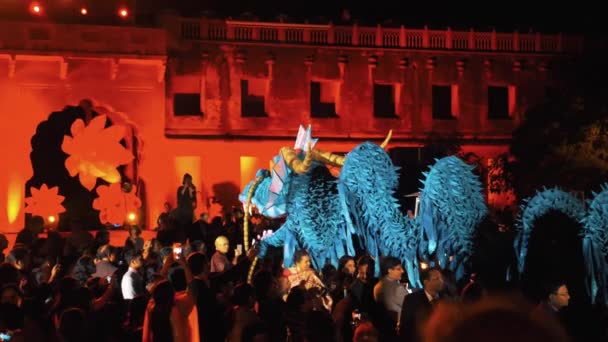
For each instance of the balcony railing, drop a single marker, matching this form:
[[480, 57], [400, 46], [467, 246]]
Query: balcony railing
[[398, 38], [50, 37]]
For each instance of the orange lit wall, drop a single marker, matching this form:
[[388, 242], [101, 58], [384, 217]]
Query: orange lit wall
[[211, 147], [249, 167], [35, 90], [21, 108], [220, 167], [125, 70]]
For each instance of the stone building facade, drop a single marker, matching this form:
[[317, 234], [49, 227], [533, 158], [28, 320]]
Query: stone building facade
[[219, 98], [264, 79]]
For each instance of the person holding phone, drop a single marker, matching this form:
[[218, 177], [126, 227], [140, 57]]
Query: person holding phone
[[186, 202], [219, 260]]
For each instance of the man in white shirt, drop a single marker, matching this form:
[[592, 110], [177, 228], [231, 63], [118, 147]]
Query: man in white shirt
[[389, 294], [132, 283]]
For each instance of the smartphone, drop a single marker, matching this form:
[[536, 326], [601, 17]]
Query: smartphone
[[109, 279], [239, 247], [177, 250]]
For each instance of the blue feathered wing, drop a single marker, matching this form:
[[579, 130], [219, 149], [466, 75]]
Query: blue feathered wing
[[367, 184], [537, 206], [595, 244], [451, 207]]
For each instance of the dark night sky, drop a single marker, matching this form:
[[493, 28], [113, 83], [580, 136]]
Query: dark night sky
[[566, 16], [504, 16]]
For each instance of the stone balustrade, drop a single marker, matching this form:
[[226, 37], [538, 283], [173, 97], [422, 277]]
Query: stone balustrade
[[149, 41], [382, 37]]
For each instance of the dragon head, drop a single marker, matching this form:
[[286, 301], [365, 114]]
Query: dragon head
[[270, 188]]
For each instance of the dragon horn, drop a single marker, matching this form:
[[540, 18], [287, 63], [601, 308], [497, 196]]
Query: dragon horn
[[388, 138], [294, 163], [338, 160], [328, 158]]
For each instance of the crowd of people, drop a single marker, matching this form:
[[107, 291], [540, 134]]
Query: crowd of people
[[189, 283]]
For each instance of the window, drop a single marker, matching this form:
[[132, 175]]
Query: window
[[252, 98], [442, 102], [384, 101], [498, 103], [187, 104], [323, 97]]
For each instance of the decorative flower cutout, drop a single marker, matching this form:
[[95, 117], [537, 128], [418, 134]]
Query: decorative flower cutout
[[95, 151], [45, 202], [115, 205]]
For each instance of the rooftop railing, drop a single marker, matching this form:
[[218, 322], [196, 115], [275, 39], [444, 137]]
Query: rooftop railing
[[382, 37]]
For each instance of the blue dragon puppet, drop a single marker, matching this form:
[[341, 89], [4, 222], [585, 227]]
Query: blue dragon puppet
[[594, 223], [595, 244], [324, 213], [451, 207]]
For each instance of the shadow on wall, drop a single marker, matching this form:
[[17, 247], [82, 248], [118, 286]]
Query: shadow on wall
[[227, 195], [48, 164], [48, 167]]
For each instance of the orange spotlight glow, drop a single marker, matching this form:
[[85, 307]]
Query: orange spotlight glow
[[424, 265], [188, 164], [14, 200], [84, 11], [123, 12], [35, 8], [132, 217], [249, 167], [51, 219]]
